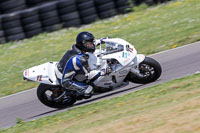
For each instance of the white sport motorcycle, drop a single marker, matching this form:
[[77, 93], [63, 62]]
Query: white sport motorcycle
[[126, 65]]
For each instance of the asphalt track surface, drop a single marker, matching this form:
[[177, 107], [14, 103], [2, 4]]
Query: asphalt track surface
[[175, 63]]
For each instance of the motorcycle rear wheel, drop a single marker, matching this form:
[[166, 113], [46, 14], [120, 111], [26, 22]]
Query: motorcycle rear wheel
[[47, 93], [150, 70]]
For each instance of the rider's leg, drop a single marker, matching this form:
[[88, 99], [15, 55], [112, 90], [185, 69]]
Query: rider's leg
[[82, 88]]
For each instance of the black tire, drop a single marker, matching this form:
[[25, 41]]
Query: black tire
[[29, 12], [85, 5], [72, 23], [151, 75], [124, 9], [13, 31], [33, 2], [50, 21], [149, 2], [105, 7], [100, 2], [50, 14], [46, 100], [33, 33], [3, 0], [138, 2], [9, 4], [82, 1], [32, 26], [108, 13], [69, 16], [11, 24], [65, 3], [16, 37], [52, 28], [160, 1], [30, 19], [67, 9], [19, 8], [121, 3], [10, 17], [89, 19], [1, 33], [2, 40], [87, 12], [47, 7], [1, 26]]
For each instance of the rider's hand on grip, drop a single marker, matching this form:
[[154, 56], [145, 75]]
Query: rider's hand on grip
[[97, 42], [107, 71]]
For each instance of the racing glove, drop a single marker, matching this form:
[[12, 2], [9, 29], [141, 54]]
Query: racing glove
[[107, 70]]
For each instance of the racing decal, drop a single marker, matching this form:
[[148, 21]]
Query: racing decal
[[124, 55], [39, 78], [27, 73], [129, 49]]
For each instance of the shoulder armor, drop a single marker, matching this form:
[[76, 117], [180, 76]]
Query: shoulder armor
[[84, 60]]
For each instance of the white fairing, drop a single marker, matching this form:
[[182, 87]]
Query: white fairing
[[120, 50], [124, 57], [123, 53], [43, 73]]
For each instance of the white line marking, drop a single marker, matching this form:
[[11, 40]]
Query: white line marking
[[197, 72], [187, 45], [17, 93]]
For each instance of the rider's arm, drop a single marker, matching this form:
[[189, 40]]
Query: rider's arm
[[90, 74], [75, 64], [68, 74]]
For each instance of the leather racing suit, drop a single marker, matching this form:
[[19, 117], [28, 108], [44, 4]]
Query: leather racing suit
[[73, 72]]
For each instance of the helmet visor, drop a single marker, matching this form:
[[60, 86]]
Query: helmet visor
[[89, 46]]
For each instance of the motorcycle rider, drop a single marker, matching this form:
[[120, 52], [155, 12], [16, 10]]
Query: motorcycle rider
[[73, 71]]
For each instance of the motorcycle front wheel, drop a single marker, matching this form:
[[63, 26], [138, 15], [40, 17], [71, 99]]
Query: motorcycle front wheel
[[150, 70], [54, 96]]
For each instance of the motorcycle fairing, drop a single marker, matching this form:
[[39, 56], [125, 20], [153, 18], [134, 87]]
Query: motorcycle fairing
[[117, 49], [124, 55], [43, 73]]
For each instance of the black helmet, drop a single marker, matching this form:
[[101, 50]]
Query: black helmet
[[85, 41]]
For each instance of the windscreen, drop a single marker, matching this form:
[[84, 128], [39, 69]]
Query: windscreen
[[112, 47]]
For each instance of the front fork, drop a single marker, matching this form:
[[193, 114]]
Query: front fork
[[136, 62]]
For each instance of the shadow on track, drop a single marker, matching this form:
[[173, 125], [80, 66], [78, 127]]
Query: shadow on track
[[103, 95], [110, 93]]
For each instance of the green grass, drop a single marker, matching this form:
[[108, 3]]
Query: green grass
[[169, 107], [150, 30]]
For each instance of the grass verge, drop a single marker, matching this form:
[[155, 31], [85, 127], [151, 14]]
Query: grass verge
[[170, 107], [152, 30]]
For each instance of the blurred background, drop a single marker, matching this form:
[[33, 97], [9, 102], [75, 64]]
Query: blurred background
[[20, 19]]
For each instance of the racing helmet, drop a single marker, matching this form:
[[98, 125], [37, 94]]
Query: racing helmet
[[85, 41]]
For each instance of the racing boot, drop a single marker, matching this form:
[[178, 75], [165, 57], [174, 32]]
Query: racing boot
[[88, 92], [82, 91]]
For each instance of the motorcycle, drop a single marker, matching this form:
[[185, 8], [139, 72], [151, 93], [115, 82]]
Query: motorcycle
[[119, 55]]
